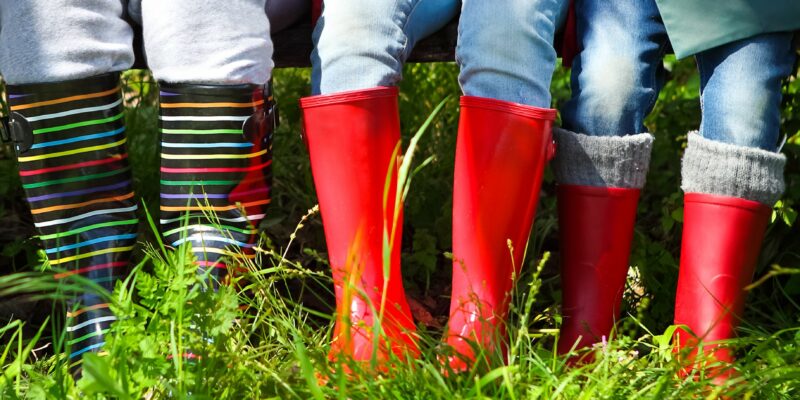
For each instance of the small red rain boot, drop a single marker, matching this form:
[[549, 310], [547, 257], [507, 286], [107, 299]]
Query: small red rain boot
[[721, 241], [596, 231], [501, 153], [352, 140]]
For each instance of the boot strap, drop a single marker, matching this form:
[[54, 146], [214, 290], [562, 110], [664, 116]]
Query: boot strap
[[17, 130], [269, 115], [5, 130], [273, 116]]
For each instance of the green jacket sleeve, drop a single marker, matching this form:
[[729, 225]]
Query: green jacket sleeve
[[697, 25]]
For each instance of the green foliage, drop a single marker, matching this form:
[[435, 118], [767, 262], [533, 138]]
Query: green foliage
[[248, 341], [267, 334]]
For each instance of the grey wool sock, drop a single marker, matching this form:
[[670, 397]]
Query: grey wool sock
[[712, 167], [602, 161]]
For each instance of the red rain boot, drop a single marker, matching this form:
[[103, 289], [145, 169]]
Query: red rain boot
[[501, 153], [721, 241], [596, 230], [351, 138]]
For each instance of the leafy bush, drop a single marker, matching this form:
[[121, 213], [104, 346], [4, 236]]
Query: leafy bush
[[266, 335]]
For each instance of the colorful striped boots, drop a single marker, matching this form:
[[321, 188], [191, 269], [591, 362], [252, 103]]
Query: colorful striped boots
[[70, 141], [216, 152]]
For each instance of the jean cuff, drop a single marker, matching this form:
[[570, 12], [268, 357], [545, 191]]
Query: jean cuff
[[602, 161], [712, 167]]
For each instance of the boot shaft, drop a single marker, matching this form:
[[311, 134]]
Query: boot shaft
[[501, 153], [216, 156], [595, 234], [721, 242], [353, 141], [71, 147]]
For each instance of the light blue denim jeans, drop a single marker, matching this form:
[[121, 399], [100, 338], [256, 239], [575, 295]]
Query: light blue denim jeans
[[618, 73], [505, 49], [504, 46], [740, 89], [359, 44]]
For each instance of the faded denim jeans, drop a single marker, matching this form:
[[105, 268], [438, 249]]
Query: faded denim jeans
[[618, 73], [360, 44], [504, 48]]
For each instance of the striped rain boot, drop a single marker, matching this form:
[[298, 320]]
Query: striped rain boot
[[70, 142], [216, 152]]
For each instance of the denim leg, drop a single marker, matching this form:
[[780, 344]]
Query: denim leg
[[741, 89], [618, 72], [55, 40], [505, 49], [361, 44]]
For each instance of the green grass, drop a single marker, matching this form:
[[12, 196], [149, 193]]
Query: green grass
[[254, 342], [267, 335]]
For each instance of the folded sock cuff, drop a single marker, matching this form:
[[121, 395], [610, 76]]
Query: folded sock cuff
[[712, 167], [602, 161]]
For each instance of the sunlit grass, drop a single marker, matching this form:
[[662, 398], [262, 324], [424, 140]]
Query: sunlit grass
[[251, 341], [262, 337]]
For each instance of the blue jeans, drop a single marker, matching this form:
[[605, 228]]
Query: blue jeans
[[618, 73], [360, 44], [740, 89], [504, 47]]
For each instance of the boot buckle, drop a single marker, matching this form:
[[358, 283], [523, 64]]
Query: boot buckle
[[15, 128]]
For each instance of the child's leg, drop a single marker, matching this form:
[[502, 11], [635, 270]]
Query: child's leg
[[213, 62], [507, 60], [352, 128], [731, 176], [281, 13], [617, 73], [505, 51], [51, 41], [602, 159], [740, 90], [68, 124], [363, 44], [208, 42]]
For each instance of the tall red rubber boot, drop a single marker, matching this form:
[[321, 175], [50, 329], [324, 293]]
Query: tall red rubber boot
[[596, 231], [721, 241], [501, 153], [351, 138]]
